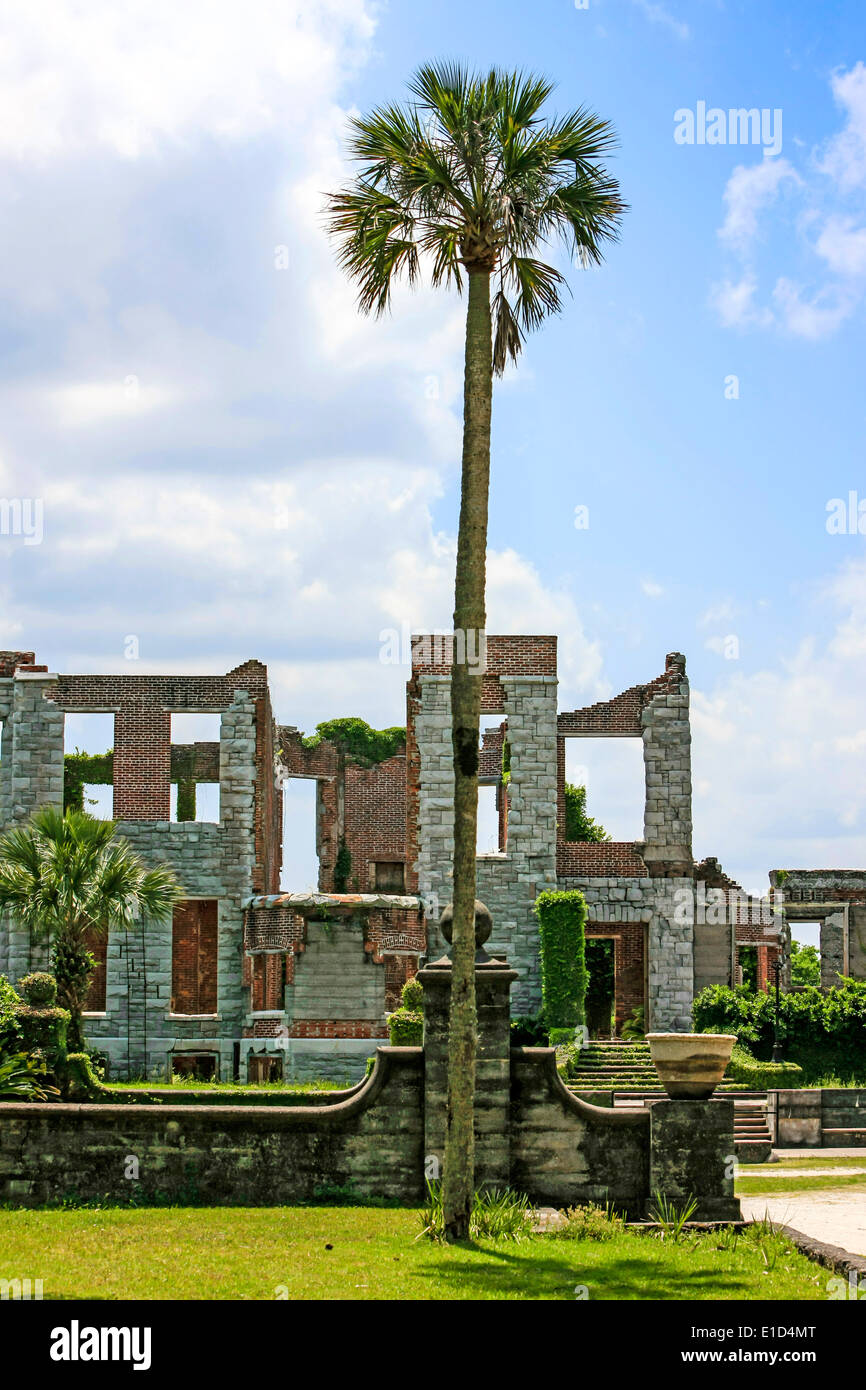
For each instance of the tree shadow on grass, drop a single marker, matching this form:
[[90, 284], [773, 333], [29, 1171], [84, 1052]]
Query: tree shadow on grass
[[523, 1273]]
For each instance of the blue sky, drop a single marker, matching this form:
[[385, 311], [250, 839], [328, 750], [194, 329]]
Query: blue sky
[[232, 463]]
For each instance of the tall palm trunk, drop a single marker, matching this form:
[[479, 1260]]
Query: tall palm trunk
[[469, 622]]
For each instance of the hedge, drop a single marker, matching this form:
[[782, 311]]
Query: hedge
[[823, 1032], [746, 1070], [561, 919]]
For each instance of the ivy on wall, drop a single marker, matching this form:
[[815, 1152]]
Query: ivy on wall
[[85, 769], [561, 922]]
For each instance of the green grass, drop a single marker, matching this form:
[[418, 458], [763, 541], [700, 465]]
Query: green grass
[[359, 1253], [748, 1184]]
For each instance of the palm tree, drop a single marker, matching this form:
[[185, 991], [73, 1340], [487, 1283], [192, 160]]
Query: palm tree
[[67, 875], [469, 180]]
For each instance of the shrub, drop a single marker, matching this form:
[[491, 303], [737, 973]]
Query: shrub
[[413, 995], [561, 918], [528, 1030], [38, 989], [746, 1070], [591, 1222], [9, 1002], [823, 1032], [43, 1032], [406, 1028]]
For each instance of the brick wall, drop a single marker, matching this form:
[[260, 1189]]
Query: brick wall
[[194, 958]]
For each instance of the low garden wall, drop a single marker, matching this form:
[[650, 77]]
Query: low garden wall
[[380, 1139], [830, 1117]]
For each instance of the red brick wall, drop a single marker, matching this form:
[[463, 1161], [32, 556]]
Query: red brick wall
[[374, 809], [611, 859], [97, 944], [629, 963], [194, 957]]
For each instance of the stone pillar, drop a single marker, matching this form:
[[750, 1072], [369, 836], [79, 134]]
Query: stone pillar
[[668, 769], [692, 1155], [493, 981]]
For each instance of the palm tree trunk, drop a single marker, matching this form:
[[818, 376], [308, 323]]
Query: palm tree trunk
[[469, 620]]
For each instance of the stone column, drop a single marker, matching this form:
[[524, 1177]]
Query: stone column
[[692, 1155], [493, 981]]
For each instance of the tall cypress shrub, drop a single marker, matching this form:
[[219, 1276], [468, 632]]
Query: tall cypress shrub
[[561, 922]]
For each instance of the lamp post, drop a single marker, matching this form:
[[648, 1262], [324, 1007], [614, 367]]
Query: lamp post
[[777, 968]]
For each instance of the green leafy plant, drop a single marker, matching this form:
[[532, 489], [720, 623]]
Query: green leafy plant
[[9, 1003], [671, 1216], [591, 1222], [529, 1030], [38, 989], [580, 827], [358, 740], [561, 919], [65, 876], [634, 1027], [23, 1077], [805, 966], [342, 867], [746, 1070], [496, 1214], [412, 995]]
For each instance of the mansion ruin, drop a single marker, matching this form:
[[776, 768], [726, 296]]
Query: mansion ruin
[[251, 981]]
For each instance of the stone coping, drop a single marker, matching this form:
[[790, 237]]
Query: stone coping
[[313, 900], [351, 1104]]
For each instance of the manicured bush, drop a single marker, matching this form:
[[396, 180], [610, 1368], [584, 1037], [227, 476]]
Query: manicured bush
[[413, 995], [561, 919], [746, 1070], [38, 989], [43, 1032], [406, 1028]]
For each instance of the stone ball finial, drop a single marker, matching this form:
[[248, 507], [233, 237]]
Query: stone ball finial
[[483, 923]]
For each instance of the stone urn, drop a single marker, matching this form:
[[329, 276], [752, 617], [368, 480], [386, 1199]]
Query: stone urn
[[690, 1065]]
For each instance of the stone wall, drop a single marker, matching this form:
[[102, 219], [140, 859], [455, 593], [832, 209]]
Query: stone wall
[[370, 1143], [818, 1118], [508, 883]]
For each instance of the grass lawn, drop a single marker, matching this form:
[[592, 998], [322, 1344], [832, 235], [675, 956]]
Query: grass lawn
[[230, 1252], [747, 1186]]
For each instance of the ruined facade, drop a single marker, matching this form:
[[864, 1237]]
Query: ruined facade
[[251, 981]]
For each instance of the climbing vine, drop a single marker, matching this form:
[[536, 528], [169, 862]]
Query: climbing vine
[[561, 919]]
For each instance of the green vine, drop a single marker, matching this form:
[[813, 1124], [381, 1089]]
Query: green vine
[[561, 919]]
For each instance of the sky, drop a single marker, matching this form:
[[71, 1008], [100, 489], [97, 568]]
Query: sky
[[216, 457]]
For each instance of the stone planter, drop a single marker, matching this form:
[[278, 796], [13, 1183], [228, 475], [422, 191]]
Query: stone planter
[[690, 1065]]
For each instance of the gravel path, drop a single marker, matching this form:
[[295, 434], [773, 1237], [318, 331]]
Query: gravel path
[[837, 1218]]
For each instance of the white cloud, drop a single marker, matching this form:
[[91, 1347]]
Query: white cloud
[[815, 317], [779, 756], [749, 190], [131, 78], [845, 154], [843, 246], [651, 588], [659, 14], [734, 302]]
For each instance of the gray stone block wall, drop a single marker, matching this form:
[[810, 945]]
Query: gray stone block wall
[[335, 977], [670, 943], [31, 776], [507, 883], [668, 772]]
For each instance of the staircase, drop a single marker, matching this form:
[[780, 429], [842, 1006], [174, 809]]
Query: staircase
[[625, 1068]]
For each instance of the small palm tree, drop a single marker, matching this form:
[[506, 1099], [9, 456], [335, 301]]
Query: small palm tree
[[67, 875], [471, 180]]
